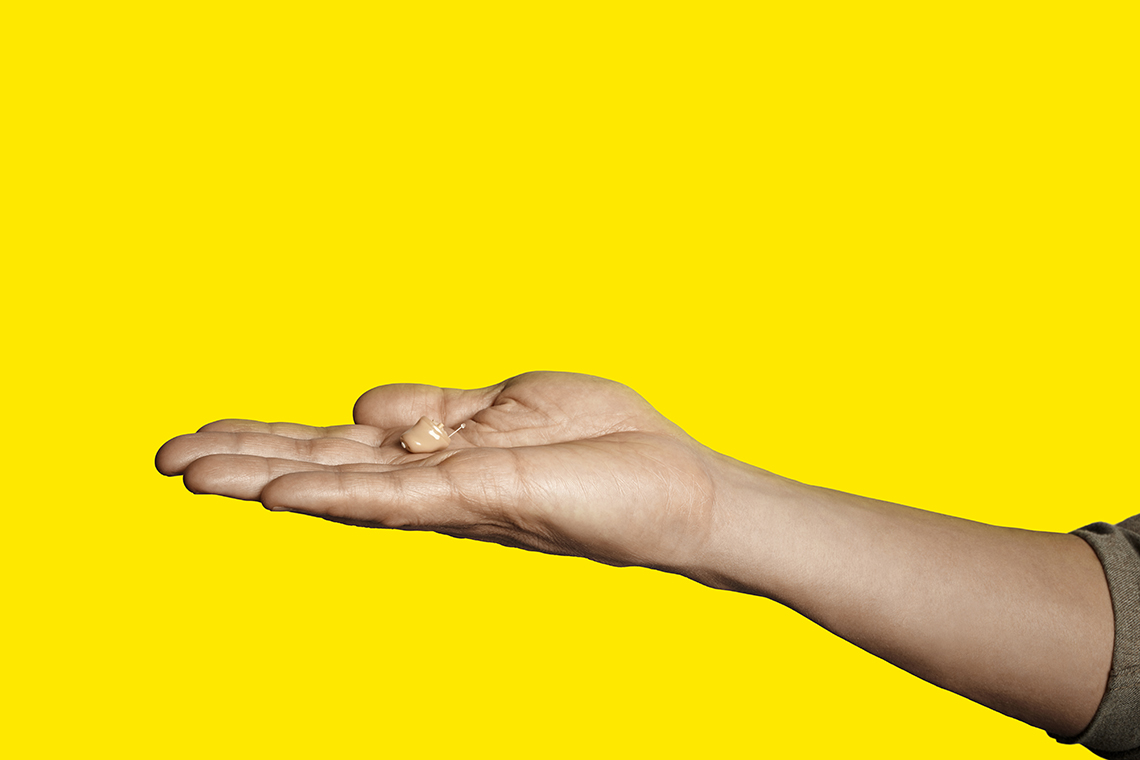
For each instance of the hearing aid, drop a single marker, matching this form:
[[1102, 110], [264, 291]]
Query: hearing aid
[[427, 435]]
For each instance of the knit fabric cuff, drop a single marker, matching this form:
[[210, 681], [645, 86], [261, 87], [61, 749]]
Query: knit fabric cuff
[[1115, 729]]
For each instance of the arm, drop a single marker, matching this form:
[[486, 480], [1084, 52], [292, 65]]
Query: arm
[[1017, 620], [571, 464]]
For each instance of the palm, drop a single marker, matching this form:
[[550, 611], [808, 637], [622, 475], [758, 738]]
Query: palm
[[562, 463]]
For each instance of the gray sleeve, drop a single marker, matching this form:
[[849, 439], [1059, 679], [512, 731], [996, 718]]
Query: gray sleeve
[[1115, 729]]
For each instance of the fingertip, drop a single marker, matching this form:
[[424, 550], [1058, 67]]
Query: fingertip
[[193, 477], [273, 495], [360, 407], [389, 405], [165, 461], [221, 475], [194, 487]]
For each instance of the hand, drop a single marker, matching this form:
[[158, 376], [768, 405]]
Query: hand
[[554, 462]]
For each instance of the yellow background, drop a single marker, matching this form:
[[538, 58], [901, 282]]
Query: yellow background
[[889, 248]]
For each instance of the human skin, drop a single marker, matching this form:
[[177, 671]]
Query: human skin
[[1020, 621]]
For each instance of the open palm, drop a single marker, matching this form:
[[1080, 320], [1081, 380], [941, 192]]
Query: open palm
[[555, 462]]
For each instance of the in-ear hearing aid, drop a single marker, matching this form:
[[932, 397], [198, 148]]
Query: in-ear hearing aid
[[427, 435]]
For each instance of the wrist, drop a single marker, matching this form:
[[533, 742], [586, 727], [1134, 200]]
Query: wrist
[[742, 546]]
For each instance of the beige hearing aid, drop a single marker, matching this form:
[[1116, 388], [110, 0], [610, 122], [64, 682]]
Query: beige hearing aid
[[427, 435]]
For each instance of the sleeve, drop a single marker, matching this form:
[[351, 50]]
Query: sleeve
[[1115, 729]]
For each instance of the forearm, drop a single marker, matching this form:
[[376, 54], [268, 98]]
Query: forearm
[[1020, 621]]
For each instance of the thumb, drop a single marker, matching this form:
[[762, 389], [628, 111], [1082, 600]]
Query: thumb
[[401, 404]]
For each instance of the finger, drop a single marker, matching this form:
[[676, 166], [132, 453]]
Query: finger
[[239, 476], [399, 499], [361, 433], [464, 490], [179, 452], [399, 405]]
